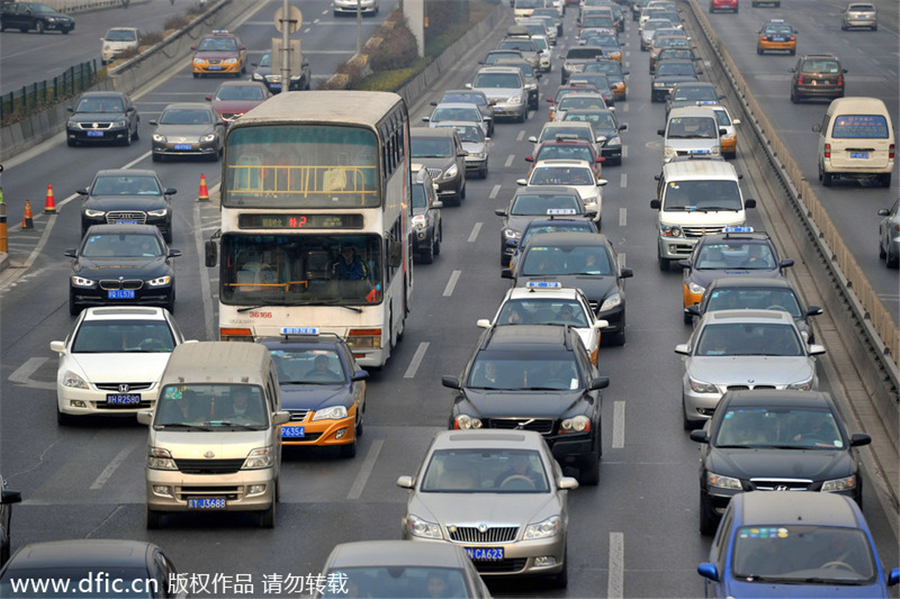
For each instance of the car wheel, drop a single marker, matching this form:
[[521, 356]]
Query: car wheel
[[462, 192], [708, 522], [591, 475], [827, 179], [885, 180], [126, 141], [843, 27], [157, 157], [154, 519], [170, 305], [66, 31], [438, 237], [759, 50], [359, 423], [167, 235], [892, 261], [349, 450], [794, 98], [74, 308], [663, 264], [484, 171], [561, 579], [71, 143], [62, 419], [687, 424], [874, 27], [793, 52], [881, 253], [39, 27], [136, 134], [267, 517], [196, 75], [428, 254], [688, 318]]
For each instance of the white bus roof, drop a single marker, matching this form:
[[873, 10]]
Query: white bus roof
[[328, 106]]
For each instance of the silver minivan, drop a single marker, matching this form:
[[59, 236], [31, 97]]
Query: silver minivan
[[215, 442]]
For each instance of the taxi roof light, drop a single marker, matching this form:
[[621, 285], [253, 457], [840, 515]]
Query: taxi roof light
[[544, 285]]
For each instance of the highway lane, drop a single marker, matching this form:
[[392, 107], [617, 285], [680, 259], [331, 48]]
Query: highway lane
[[634, 535]]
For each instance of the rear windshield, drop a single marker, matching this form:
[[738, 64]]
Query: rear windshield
[[860, 125]]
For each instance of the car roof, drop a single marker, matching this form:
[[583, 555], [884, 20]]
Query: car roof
[[104, 94], [703, 169], [549, 190], [142, 172], [782, 398], [747, 316], [499, 69], [433, 131], [122, 229], [755, 236], [528, 337], [750, 282], [127, 312], [302, 341], [827, 509], [395, 553], [487, 438], [96, 553], [466, 105], [188, 105], [694, 83], [214, 361], [571, 239], [517, 293], [562, 162]]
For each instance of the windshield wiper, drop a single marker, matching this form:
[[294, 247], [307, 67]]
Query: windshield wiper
[[249, 308], [246, 427], [716, 208], [334, 302], [199, 427]]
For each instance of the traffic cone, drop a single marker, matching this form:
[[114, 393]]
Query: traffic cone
[[27, 220], [50, 205], [204, 193]]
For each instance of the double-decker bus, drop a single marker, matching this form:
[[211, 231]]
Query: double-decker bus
[[315, 220]]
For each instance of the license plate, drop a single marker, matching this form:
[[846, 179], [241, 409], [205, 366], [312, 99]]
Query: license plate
[[95, 133], [778, 39], [485, 554], [120, 294], [125, 222], [124, 399], [206, 503], [698, 152], [182, 146], [214, 67], [293, 432], [275, 85], [859, 154]]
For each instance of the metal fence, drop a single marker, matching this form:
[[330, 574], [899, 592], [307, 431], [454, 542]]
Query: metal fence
[[41, 94]]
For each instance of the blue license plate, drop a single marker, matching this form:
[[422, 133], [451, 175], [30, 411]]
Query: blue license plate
[[214, 67], [859, 154], [778, 39], [698, 151], [123, 399], [95, 133], [206, 503], [125, 222], [275, 86], [486, 554], [293, 432], [182, 146], [120, 294]]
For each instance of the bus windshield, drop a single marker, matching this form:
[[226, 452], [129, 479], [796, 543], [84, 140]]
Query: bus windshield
[[310, 269], [309, 166]]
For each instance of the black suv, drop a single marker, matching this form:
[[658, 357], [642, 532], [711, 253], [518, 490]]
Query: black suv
[[128, 197], [103, 117], [538, 378], [817, 76], [440, 150]]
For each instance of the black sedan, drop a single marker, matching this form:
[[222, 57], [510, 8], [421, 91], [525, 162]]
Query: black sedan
[[103, 117], [27, 16], [188, 129], [583, 260], [669, 73], [7, 498], [775, 441], [128, 197], [91, 567], [122, 265], [263, 73]]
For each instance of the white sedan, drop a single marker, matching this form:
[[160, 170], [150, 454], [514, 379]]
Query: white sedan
[[111, 362], [571, 173], [548, 302]]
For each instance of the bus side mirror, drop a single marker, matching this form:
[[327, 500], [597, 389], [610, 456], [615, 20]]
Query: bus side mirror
[[395, 254], [212, 254]]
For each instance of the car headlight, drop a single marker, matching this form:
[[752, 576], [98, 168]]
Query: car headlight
[[159, 138], [451, 172], [422, 528], [91, 213], [511, 234], [839, 484], [670, 230], [806, 385], [419, 222], [160, 212], [548, 528], [74, 381], [696, 289], [701, 387], [259, 458], [729, 137], [160, 281], [614, 141], [210, 137], [160, 459], [611, 302], [51, 19], [476, 155], [669, 153], [465, 422], [257, 77], [723, 482], [230, 61], [576, 424], [515, 99], [82, 282], [120, 123], [716, 150], [331, 413], [198, 61], [659, 85]]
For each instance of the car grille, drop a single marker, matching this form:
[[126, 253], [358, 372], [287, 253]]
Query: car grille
[[748, 387], [502, 565], [116, 284], [214, 61], [434, 172], [229, 493], [94, 126], [543, 426], [494, 534], [139, 218], [701, 231], [132, 387], [209, 466], [780, 484], [145, 404], [298, 415], [273, 78]]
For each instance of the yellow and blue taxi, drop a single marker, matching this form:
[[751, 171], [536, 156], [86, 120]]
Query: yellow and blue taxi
[[777, 35], [322, 386], [220, 53]]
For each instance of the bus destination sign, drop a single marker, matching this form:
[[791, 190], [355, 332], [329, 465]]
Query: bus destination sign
[[300, 221]]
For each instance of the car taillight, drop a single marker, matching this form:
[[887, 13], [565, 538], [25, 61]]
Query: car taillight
[[793, 38], [800, 80], [840, 80], [827, 150], [891, 152]]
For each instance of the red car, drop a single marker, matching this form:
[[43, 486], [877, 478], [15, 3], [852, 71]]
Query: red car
[[234, 98], [730, 5]]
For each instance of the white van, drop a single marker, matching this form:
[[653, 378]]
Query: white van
[[696, 196], [524, 8], [856, 141], [116, 41], [215, 437], [691, 130]]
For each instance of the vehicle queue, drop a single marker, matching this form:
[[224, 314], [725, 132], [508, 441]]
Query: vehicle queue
[[489, 556]]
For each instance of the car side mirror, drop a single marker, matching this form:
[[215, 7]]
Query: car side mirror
[[9, 497], [625, 273], [500, 212], [437, 204], [816, 349], [600, 324], [817, 127], [883, 212], [451, 382], [511, 243], [623, 127], [153, 122], [522, 182], [211, 252], [360, 375], [82, 192], [405, 482], [209, 98], [693, 310], [145, 417], [684, 263], [599, 382], [533, 139], [434, 103], [483, 323], [170, 191], [682, 349], [660, 131], [193, 47], [506, 273], [749, 203], [567, 483], [655, 204], [602, 182], [529, 159], [786, 263], [70, 109], [469, 85], [281, 417], [859, 439], [173, 253], [813, 311], [700, 436], [70, 253], [708, 570], [893, 577]]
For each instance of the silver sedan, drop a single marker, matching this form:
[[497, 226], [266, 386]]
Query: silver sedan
[[188, 129]]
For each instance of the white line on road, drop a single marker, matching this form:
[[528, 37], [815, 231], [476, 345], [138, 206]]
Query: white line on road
[[622, 260], [23, 373], [615, 587], [115, 463], [521, 135], [451, 284], [624, 151], [494, 192], [618, 440], [209, 312], [623, 217], [623, 182], [625, 108], [509, 160], [368, 465], [416, 360], [475, 231]]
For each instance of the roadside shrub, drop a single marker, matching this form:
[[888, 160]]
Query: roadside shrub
[[398, 50]]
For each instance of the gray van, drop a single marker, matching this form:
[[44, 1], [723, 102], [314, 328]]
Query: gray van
[[215, 439]]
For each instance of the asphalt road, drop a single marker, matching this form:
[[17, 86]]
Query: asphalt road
[[635, 535]]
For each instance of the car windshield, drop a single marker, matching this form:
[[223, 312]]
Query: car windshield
[[675, 68], [782, 427], [456, 114], [596, 21], [265, 61], [556, 228], [466, 97], [210, 407], [125, 185], [389, 582], [122, 336], [425, 147], [749, 339], [598, 80], [121, 35], [469, 134], [574, 101], [568, 152], [121, 245], [319, 366], [497, 81], [218, 44], [754, 298], [240, 92], [670, 42], [567, 312], [703, 195], [185, 116], [584, 53], [68, 577], [538, 205], [609, 67], [603, 122], [514, 44], [550, 260], [100, 105], [561, 175], [571, 130], [485, 471], [745, 256], [826, 555], [525, 372], [692, 127], [681, 93], [722, 117]]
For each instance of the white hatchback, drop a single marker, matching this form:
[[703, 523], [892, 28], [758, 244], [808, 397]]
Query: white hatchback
[[571, 173], [111, 362], [116, 41]]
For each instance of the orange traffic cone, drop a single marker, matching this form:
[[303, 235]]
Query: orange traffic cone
[[204, 193], [50, 206], [27, 221]]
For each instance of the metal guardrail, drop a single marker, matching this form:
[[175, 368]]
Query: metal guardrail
[[40, 94]]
